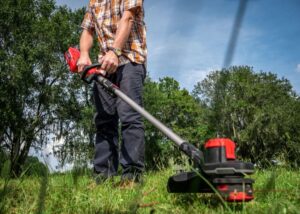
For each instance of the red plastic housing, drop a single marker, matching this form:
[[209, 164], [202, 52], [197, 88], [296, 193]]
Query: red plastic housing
[[72, 56], [223, 142], [239, 197]]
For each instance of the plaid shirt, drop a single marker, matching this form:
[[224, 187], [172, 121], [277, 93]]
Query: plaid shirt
[[102, 17]]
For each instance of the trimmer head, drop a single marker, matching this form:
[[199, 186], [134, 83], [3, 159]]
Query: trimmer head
[[232, 189], [220, 172]]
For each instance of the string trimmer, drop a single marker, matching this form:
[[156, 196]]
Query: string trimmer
[[216, 168]]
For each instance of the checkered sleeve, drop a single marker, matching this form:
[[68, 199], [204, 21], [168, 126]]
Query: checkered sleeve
[[88, 21], [131, 4]]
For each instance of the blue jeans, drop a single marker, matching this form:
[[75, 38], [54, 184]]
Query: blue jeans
[[130, 78]]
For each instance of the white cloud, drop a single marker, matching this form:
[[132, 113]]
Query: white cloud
[[191, 77], [298, 68]]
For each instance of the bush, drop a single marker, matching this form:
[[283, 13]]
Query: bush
[[33, 167]]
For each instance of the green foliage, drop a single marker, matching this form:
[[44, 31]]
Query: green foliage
[[177, 109], [35, 87], [5, 170], [3, 158], [34, 167], [257, 110]]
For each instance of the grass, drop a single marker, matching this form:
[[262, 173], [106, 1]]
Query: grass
[[276, 191]]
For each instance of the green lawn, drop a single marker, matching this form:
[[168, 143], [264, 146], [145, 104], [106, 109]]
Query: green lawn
[[276, 191]]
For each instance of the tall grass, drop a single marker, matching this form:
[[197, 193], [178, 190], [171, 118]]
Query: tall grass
[[276, 191]]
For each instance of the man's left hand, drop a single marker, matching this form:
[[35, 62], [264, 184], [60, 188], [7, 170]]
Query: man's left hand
[[110, 62]]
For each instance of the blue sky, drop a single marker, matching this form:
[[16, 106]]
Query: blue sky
[[188, 39]]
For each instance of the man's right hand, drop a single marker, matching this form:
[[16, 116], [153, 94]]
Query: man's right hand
[[83, 61]]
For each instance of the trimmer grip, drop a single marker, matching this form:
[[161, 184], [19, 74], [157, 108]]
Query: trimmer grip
[[88, 73]]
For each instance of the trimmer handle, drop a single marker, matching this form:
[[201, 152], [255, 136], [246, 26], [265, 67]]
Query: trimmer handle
[[85, 76], [72, 55]]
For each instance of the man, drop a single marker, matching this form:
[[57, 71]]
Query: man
[[121, 35]]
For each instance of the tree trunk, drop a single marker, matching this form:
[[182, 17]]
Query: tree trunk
[[19, 155]]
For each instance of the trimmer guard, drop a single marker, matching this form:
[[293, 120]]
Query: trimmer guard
[[232, 189], [187, 182]]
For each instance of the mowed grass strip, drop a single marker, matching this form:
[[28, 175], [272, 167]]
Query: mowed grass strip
[[277, 190]]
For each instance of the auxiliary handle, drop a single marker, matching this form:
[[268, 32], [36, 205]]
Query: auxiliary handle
[[86, 69]]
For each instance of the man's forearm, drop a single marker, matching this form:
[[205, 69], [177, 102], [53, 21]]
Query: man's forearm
[[124, 29], [86, 42], [110, 60]]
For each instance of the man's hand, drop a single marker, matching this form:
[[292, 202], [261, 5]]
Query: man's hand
[[110, 62], [83, 61]]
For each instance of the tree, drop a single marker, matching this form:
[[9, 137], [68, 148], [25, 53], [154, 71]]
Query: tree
[[257, 110], [35, 87], [177, 109]]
